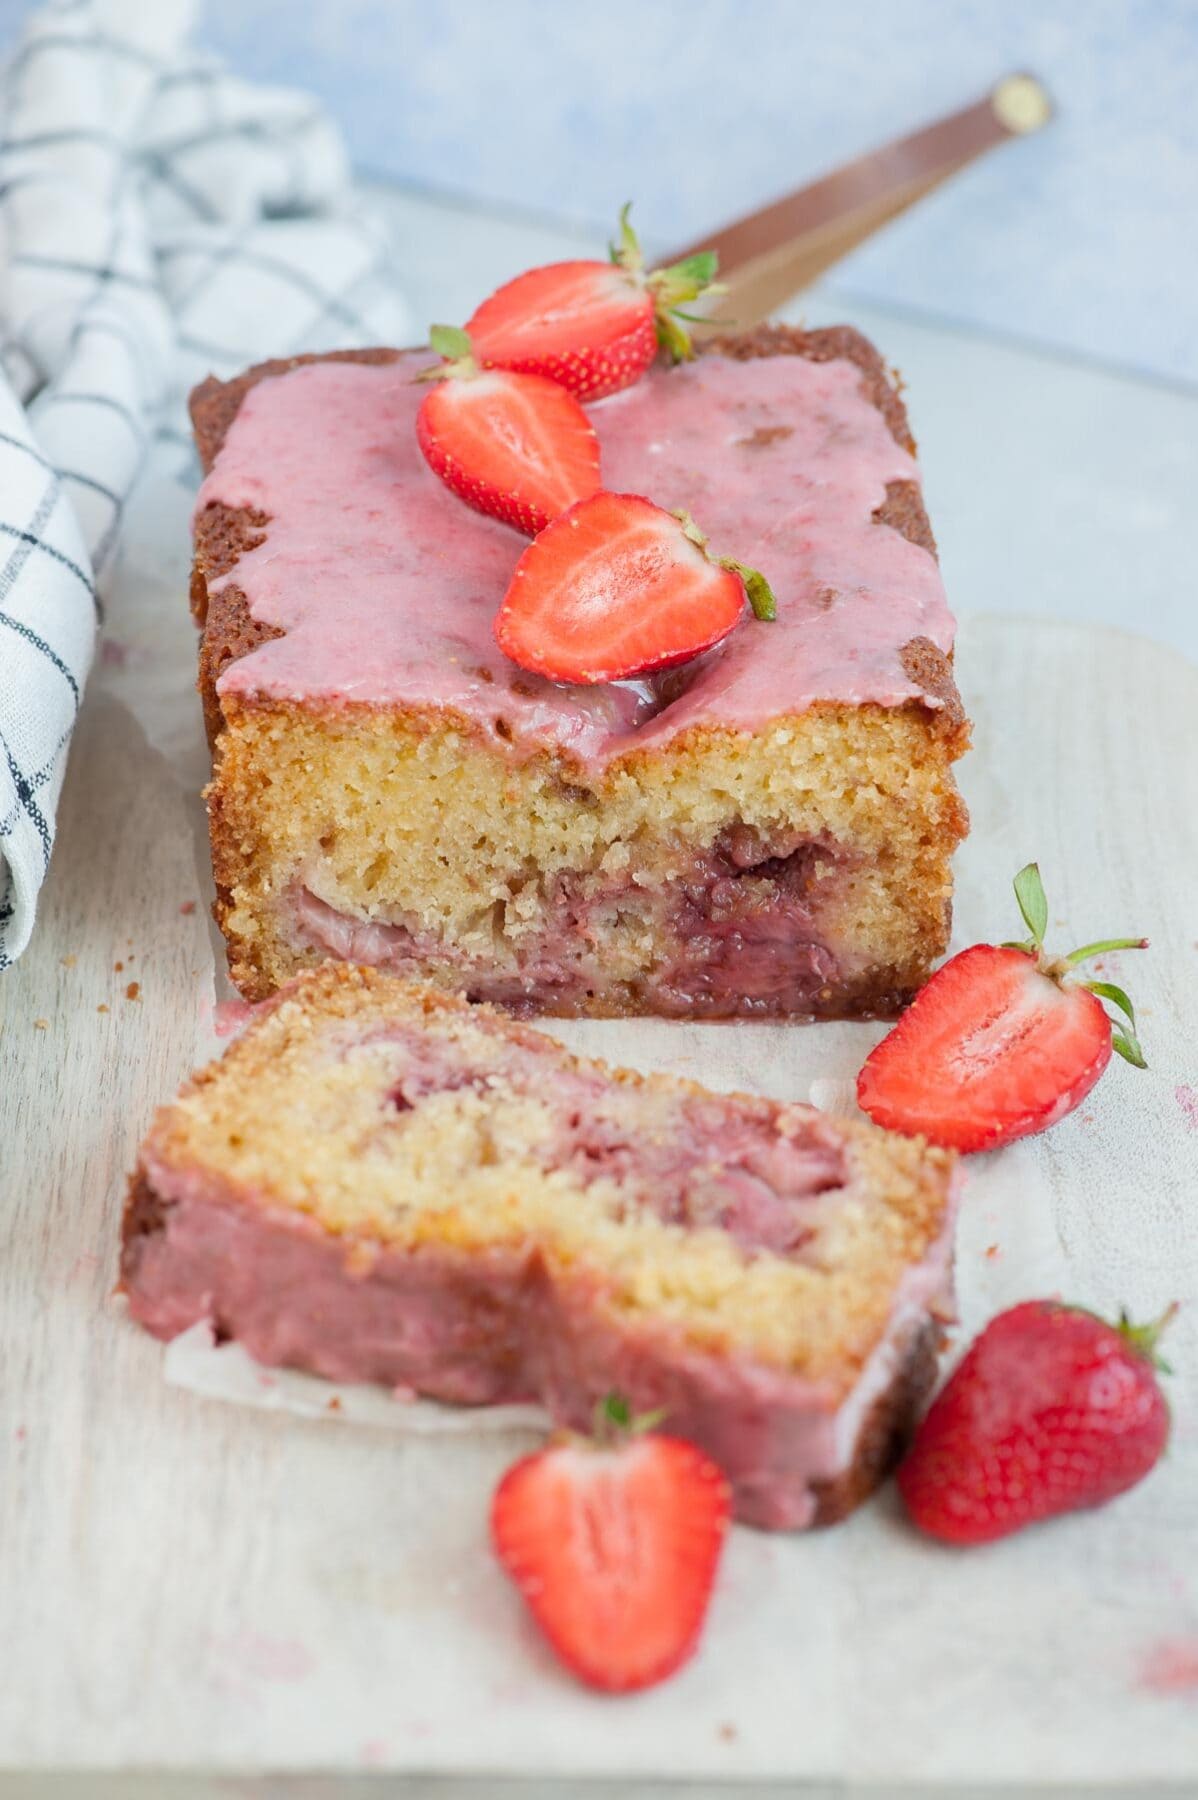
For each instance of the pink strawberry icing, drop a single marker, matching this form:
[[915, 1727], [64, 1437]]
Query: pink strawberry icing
[[385, 586], [483, 1329]]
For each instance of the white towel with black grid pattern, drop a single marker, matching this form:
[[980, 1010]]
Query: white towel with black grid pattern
[[159, 219]]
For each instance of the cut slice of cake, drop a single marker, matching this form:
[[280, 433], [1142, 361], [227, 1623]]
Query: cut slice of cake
[[378, 1182], [766, 830]]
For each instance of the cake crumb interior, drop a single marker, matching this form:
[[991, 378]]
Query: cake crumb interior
[[497, 876]]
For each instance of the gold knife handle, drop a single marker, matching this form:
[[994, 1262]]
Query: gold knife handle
[[772, 254]]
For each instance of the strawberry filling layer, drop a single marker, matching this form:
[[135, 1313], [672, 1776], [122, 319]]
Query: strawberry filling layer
[[737, 934], [706, 1163]]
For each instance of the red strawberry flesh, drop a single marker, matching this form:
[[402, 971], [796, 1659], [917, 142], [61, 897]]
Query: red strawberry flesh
[[517, 447], [1050, 1410], [615, 1552], [588, 325], [615, 588], [990, 1050]]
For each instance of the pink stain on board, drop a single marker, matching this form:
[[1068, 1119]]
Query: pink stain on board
[[249, 1653], [228, 1016], [1171, 1667], [1187, 1099]]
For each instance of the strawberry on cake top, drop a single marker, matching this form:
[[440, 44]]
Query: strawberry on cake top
[[384, 588]]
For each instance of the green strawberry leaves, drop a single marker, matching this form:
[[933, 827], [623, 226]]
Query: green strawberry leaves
[[627, 253], [1033, 905], [758, 591], [1089, 950], [1123, 1036], [450, 341], [453, 345], [671, 287], [673, 338], [614, 1420], [1144, 1338], [696, 272], [1033, 902]]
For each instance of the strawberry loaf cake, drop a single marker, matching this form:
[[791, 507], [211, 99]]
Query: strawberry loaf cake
[[763, 830], [379, 1182]]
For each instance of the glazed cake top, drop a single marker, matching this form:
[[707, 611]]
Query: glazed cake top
[[385, 585]]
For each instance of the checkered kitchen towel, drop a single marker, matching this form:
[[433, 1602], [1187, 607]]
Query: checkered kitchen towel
[[159, 219]]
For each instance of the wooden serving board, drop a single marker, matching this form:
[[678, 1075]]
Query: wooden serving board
[[190, 1584]]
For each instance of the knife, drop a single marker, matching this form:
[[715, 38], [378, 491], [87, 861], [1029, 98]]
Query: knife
[[772, 254]]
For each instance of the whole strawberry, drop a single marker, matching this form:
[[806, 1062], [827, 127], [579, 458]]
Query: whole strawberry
[[614, 1542], [592, 326], [1050, 1410], [1004, 1039]]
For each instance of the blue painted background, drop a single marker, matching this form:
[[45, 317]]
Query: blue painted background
[[1085, 236]]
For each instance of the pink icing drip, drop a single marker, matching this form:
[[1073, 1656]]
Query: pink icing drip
[[229, 1016], [386, 585], [496, 1327]]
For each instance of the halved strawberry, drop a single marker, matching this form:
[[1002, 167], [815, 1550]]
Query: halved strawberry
[[618, 587], [517, 447], [614, 1544], [593, 326], [1001, 1042]]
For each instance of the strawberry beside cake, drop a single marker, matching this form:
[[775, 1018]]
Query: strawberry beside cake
[[762, 829]]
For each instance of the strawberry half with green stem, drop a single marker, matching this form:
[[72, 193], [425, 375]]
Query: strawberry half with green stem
[[1051, 1409], [1003, 1041], [593, 326], [614, 1543], [517, 447], [618, 587]]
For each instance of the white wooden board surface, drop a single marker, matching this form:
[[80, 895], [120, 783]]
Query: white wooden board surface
[[189, 1584]]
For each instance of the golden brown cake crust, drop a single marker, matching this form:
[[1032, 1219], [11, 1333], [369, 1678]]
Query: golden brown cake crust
[[230, 631], [887, 1430], [214, 404]]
